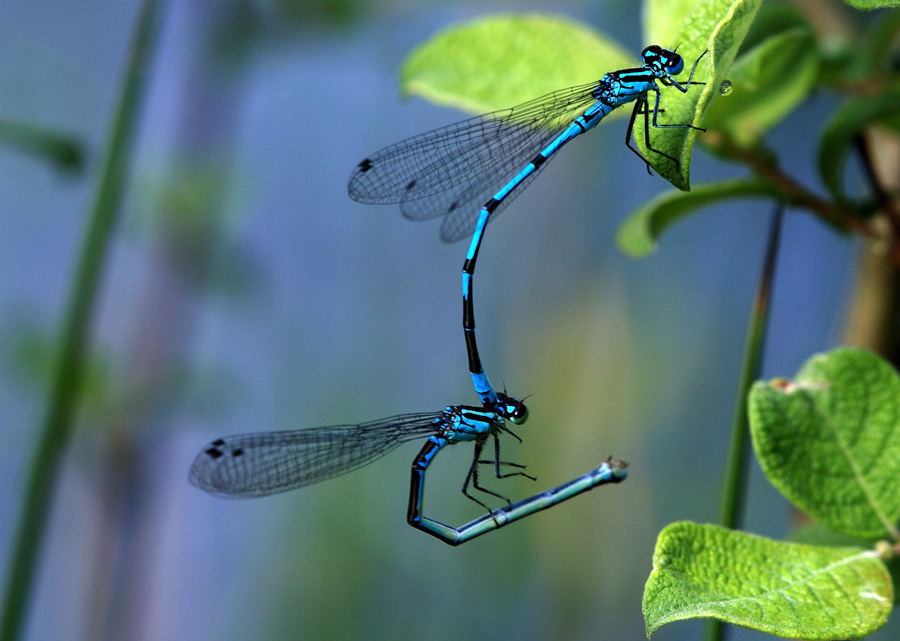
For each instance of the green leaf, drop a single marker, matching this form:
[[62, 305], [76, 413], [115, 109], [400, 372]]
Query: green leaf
[[28, 356], [771, 20], [64, 151], [829, 440], [505, 60], [715, 25], [786, 589], [818, 534], [638, 235], [876, 56], [662, 21], [868, 5], [843, 127], [766, 85]]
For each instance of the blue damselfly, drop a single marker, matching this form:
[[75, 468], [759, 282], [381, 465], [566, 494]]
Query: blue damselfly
[[449, 171], [264, 463]]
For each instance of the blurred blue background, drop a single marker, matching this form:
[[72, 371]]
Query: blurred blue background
[[246, 291]]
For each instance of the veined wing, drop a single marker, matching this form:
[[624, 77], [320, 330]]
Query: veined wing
[[263, 463], [464, 152], [460, 206]]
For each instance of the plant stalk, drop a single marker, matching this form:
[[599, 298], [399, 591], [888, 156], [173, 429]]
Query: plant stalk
[[734, 485], [56, 428]]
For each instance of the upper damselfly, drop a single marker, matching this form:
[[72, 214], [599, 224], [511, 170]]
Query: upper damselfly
[[264, 463], [450, 171]]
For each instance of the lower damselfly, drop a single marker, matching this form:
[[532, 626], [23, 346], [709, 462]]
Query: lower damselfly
[[264, 463]]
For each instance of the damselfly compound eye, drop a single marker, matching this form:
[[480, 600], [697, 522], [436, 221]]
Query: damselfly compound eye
[[675, 64], [519, 414]]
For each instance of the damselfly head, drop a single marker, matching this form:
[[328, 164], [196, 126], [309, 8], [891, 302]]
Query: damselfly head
[[662, 62], [512, 409]]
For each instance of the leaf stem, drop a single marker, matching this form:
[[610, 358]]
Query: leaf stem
[[58, 421], [793, 193]]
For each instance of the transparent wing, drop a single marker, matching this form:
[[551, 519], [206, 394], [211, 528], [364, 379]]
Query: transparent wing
[[466, 162], [263, 463], [459, 220]]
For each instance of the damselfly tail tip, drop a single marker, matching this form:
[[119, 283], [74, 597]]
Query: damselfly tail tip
[[619, 469]]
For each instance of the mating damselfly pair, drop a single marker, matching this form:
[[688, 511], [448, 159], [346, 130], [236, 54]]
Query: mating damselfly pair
[[448, 172]]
